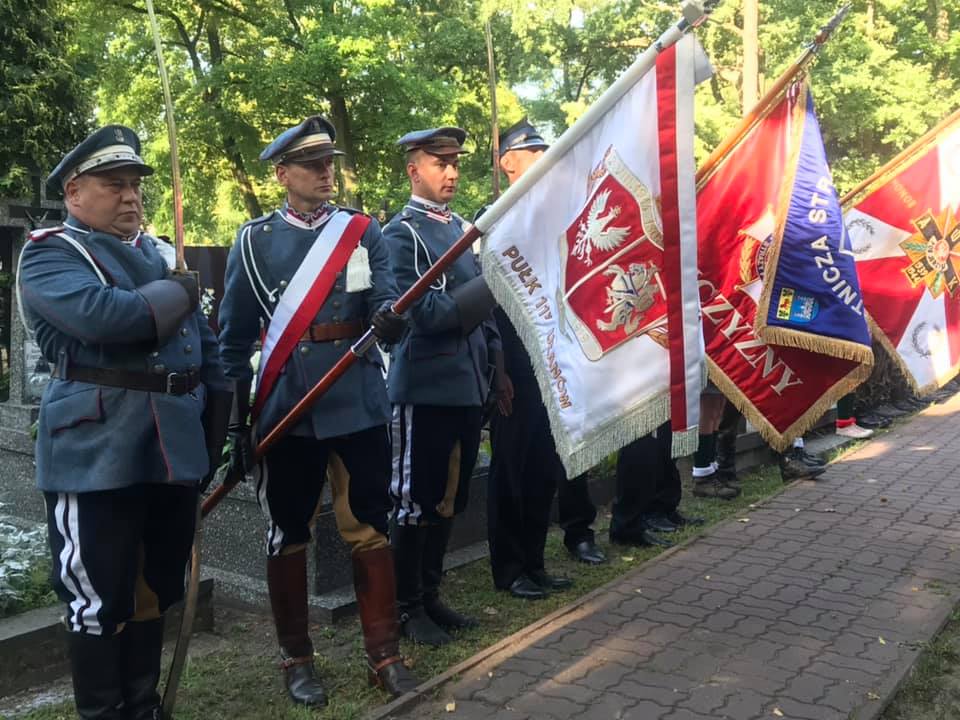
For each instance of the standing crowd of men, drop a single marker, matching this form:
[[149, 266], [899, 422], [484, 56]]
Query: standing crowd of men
[[128, 428]]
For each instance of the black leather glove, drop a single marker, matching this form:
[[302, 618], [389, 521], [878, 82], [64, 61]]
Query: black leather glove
[[188, 281], [387, 325], [216, 421], [239, 433]]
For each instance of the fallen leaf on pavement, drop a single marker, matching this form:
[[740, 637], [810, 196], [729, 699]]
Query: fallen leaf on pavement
[[882, 641], [743, 520], [451, 706], [777, 712], [872, 696]]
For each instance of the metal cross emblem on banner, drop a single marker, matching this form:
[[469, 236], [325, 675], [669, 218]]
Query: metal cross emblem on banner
[[933, 253]]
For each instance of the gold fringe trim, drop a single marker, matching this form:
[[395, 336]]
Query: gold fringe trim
[[685, 442], [777, 440], [642, 419], [822, 344], [791, 337], [895, 356]]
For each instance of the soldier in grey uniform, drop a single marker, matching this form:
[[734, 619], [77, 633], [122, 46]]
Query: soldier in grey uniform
[[438, 383], [120, 443], [313, 276]]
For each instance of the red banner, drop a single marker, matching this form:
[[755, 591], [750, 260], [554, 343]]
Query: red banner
[[782, 391]]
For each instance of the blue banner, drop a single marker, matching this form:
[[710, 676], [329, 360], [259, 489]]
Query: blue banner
[[811, 296]]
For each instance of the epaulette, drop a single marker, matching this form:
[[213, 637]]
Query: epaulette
[[251, 226], [43, 233]]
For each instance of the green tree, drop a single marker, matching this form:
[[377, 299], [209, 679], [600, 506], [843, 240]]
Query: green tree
[[44, 105]]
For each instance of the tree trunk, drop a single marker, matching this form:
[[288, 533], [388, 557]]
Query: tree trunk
[[229, 143], [347, 172], [751, 55]]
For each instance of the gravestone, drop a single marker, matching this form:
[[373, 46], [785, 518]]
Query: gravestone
[[25, 367]]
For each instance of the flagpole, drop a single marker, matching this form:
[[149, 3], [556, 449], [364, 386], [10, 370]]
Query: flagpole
[[494, 119], [693, 12], [909, 153], [770, 98]]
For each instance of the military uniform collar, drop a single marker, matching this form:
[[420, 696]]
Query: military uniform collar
[[312, 221], [440, 213], [74, 225]]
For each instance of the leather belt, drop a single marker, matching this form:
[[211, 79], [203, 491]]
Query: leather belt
[[325, 332], [168, 383]]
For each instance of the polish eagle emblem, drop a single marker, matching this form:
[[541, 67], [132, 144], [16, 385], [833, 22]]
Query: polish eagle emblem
[[612, 250], [595, 231]]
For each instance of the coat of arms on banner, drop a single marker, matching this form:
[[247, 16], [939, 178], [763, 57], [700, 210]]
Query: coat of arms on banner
[[933, 253], [611, 285]]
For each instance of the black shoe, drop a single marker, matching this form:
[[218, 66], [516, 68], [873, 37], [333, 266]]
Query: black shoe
[[809, 459], [658, 523], [872, 421], [550, 583], [907, 406], [302, 682], [416, 625], [394, 678], [889, 411], [712, 486], [526, 589], [792, 467], [587, 551], [683, 521], [640, 538], [727, 476], [445, 616]]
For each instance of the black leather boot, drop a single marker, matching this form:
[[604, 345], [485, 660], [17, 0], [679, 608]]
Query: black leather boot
[[438, 536], [415, 624], [141, 644], [287, 582], [97, 684], [376, 585]]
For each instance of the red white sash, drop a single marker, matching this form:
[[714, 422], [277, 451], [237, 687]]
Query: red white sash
[[305, 295]]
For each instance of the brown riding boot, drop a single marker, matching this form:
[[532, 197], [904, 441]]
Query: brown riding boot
[[375, 584], [287, 582]]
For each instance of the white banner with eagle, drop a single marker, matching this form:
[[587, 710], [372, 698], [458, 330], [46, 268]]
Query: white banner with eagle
[[596, 267]]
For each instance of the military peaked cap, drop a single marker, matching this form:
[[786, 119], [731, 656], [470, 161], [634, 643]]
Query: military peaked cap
[[521, 136], [436, 141], [311, 139], [109, 147]]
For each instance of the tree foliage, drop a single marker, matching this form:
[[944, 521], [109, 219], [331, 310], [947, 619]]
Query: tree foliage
[[44, 107], [244, 70]]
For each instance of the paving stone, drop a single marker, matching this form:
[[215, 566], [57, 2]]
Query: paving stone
[[790, 618]]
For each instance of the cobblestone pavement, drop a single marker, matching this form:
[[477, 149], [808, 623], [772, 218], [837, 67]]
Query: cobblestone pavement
[[815, 608]]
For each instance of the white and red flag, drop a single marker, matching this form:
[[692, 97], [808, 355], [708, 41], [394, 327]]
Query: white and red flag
[[595, 264], [904, 228]]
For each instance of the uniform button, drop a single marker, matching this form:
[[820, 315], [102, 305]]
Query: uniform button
[[159, 369], [155, 353], [337, 343], [338, 287], [184, 332], [188, 349], [335, 318], [336, 303], [451, 276], [283, 284], [304, 349], [267, 228]]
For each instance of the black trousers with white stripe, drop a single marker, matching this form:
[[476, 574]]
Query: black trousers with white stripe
[[101, 542], [434, 452]]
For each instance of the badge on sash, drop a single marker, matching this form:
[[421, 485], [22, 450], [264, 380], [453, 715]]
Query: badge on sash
[[359, 276]]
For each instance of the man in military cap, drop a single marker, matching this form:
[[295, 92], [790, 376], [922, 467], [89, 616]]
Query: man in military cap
[[120, 443], [525, 470], [438, 383], [314, 276]]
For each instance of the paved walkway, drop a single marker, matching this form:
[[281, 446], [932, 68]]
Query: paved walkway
[[814, 608]]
